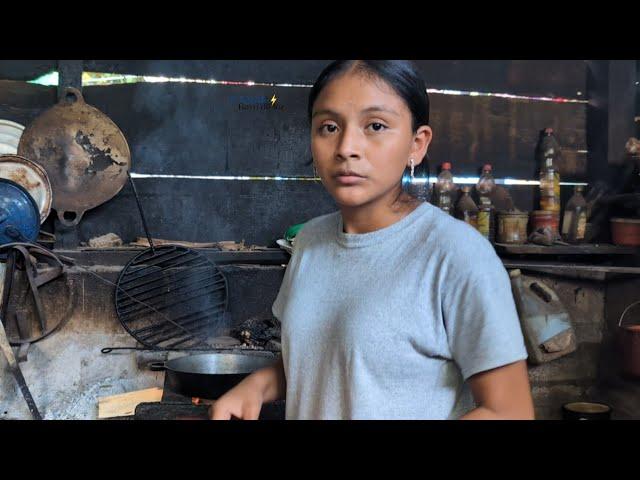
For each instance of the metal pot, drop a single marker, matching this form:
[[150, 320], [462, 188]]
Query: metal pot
[[210, 375], [83, 152], [626, 231]]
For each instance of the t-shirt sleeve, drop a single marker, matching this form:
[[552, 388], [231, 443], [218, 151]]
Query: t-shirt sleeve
[[481, 320], [279, 303]]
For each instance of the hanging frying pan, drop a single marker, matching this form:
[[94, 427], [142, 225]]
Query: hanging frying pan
[[83, 152]]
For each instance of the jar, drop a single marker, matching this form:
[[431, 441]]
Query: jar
[[544, 218], [512, 227]]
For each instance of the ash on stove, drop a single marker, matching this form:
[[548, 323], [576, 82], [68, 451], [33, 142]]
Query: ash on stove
[[259, 332]]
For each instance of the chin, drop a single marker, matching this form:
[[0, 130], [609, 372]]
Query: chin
[[350, 197]]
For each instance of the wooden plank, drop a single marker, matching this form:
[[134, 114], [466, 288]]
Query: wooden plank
[[564, 78], [257, 212], [21, 102], [25, 69], [576, 270], [124, 404], [190, 129]]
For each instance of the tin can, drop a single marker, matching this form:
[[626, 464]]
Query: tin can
[[512, 227], [544, 218]]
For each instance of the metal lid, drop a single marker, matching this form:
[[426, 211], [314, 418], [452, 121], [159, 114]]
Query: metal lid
[[544, 213], [19, 216], [513, 213], [587, 407], [32, 177]]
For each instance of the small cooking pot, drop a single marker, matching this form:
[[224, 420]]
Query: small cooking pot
[[210, 375]]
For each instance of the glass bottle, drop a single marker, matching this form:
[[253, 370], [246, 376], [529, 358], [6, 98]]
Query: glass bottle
[[574, 221]]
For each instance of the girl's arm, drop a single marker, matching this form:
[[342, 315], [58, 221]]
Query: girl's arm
[[502, 393], [245, 400], [272, 380]]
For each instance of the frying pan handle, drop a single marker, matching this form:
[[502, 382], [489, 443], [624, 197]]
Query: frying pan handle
[[157, 366], [111, 349], [71, 96], [70, 223]]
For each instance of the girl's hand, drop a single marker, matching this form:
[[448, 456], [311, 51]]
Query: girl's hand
[[244, 401]]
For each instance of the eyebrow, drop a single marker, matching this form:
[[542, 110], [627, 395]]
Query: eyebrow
[[373, 108]]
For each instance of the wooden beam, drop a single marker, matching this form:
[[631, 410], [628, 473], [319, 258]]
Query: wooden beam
[[69, 75], [611, 87]]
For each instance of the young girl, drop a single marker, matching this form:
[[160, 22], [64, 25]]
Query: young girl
[[390, 308]]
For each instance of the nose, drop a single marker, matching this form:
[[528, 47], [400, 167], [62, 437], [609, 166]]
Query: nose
[[349, 144]]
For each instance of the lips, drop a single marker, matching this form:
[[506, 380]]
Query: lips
[[346, 179], [349, 173]]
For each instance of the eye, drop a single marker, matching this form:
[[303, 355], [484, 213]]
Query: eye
[[328, 128], [377, 126]]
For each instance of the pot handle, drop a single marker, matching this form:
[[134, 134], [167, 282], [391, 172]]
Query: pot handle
[[157, 366], [625, 312], [72, 95]]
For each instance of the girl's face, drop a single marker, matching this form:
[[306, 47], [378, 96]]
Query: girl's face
[[362, 139]]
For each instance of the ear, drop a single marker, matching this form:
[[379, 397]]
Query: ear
[[420, 143]]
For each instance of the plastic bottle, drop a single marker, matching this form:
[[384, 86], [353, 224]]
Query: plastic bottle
[[445, 188], [549, 152], [545, 322], [486, 185], [466, 209], [486, 214]]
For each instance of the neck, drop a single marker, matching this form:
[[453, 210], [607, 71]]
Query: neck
[[378, 214]]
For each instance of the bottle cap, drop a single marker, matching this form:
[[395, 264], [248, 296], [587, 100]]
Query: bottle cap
[[446, 166], [514, 273]]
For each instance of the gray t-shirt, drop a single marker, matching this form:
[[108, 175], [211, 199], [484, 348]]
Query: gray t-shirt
[[389, 324]]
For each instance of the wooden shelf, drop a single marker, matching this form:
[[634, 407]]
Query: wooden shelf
[[584, 249], [121, 255]]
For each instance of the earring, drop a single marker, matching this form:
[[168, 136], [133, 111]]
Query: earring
[[315, 173], [412, 168]]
